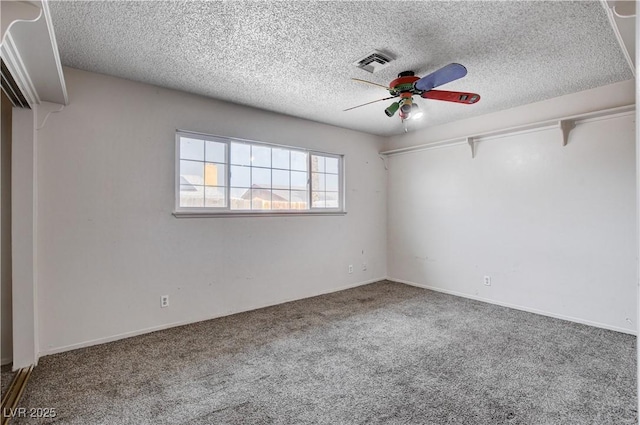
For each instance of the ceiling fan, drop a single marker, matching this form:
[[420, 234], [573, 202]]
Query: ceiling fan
[[408, 85]]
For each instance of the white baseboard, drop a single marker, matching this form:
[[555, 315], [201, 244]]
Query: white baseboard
[[130, 334], [517, 307]]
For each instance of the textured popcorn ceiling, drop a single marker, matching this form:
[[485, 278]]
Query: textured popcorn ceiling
[[295, 57]]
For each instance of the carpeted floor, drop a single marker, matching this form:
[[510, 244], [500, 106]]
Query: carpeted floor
[[6, 376], [384, 353]]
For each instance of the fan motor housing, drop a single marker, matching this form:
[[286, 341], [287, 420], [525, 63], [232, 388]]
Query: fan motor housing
[[403, 84]]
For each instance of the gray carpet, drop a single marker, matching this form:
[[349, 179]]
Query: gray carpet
[[6, 376], [384, 353]]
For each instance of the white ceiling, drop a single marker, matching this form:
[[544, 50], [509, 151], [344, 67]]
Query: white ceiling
[[295, 57]]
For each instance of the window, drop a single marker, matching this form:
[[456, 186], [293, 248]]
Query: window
[[224, 175]]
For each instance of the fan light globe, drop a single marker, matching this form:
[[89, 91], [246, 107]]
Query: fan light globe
[[391, 110], [416, 113]]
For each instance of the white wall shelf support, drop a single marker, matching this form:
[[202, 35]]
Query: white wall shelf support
[[565, 127], [566, 124], [44, 110], [472, 144]]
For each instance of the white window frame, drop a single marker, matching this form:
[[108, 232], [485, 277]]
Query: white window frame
[[227, 211]]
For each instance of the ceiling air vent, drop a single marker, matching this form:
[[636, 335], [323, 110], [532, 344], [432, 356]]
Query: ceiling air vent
[[374, 61]]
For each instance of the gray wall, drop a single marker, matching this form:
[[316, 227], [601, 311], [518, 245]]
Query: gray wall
[[553, 226], [6, 349], [109, 247]]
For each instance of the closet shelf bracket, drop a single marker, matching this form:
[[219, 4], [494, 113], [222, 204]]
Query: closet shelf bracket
[[472, 144], [566, 126]]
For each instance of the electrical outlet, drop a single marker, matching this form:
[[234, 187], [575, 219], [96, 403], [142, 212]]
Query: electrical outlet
[[364, 267], [487, 280], [350, 268], [164, 301]]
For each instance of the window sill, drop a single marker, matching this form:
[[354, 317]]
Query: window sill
[[205, 214]]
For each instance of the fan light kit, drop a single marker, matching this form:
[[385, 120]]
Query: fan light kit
[[408, 85]]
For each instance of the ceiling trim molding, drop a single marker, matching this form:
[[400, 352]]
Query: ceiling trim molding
[[30, 52], [18, 11], [54, 49], [11, 57], [624, 28]]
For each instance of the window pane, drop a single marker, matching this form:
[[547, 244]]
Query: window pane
[[214, 197], [240, 176], [331, 165], [221, 173], [280, 200], [192, 172], [214, 151], [298, 180], [214, 174], [299, 160], [260, 199], [240, 154], [317, 181], [317, 163], [299, 200], [317, 199], [191, 149], [191, 196], [240, 198], [261, 177], [280, 179], [331, 200], [280, 158], [332, 182], [260, 156]]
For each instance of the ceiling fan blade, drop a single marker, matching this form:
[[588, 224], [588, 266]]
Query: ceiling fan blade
[[444, 75], [369, 103], [369, 82], [452, 96]]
